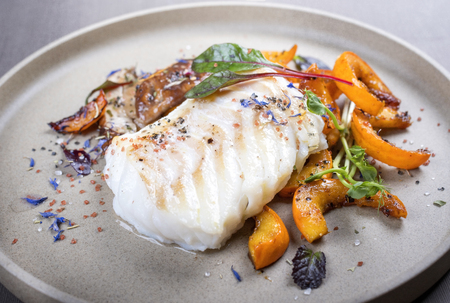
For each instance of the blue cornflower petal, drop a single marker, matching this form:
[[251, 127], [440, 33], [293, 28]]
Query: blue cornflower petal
[[53, 182], [87, 143], [35, 201], [269, 112], [31, 162], [113, 72], [331, 108], [60, 220], [296, 115], [289, 105], [48, 215], [235, 273], [290, 85], [99, 145], [181, 61], [325, 116], [58, 236], [54, 225], [245, 102]]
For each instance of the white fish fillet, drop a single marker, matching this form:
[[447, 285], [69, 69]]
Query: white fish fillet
[[193, 177]]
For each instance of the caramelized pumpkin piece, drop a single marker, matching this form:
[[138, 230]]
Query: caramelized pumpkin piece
[[330, 85], [316, 163], [319, 87], [312, 200], [269, 240], [84, 118], [382, 150], [390, 118], [282, 58], [368, 92]]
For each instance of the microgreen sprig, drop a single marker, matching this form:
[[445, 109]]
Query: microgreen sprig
[[354, 158]]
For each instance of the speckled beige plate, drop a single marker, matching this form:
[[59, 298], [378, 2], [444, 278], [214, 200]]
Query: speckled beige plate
[[401, 257]]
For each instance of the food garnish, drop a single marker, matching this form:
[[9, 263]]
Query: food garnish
[[87, 116], [35, 201], [225, 60], [439, 203], [236, 275], [312, 187], [79, 160], [309, 268]]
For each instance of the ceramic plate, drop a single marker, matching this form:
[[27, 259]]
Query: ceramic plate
[[401, 257]]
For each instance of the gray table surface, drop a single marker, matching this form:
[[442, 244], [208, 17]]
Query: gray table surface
[[27, 25]]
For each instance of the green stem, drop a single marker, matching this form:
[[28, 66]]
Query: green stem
[[335, 121], [352, 170]]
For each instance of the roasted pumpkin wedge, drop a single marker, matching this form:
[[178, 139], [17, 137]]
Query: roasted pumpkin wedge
[[316, 163], [382, 150], [269, 240], [390, 118], [312, 200], [368, 92], [283, 57]]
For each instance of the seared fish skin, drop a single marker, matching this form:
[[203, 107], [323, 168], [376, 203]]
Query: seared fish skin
[[193, 177]]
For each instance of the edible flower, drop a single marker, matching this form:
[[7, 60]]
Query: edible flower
[[245, 102], [236, 275], [35, 201], [289, 105], [54, 183], [58, 220], [47, 215], [269, 113], [113, 72], [58, 236], [99, 145]]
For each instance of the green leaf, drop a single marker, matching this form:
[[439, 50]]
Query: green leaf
[[106, 87], [358, 152], [368, 171], [215, 82], [314, 104], [363, 189], [229, 57], [309, 268], [439, 203]]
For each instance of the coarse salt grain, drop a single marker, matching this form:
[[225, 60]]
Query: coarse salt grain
[[58, 172], [207, 274], [308, 291], [426, 194], [357, 242]]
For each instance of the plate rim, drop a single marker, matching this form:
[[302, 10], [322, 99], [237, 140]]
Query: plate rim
[[20, 277]]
